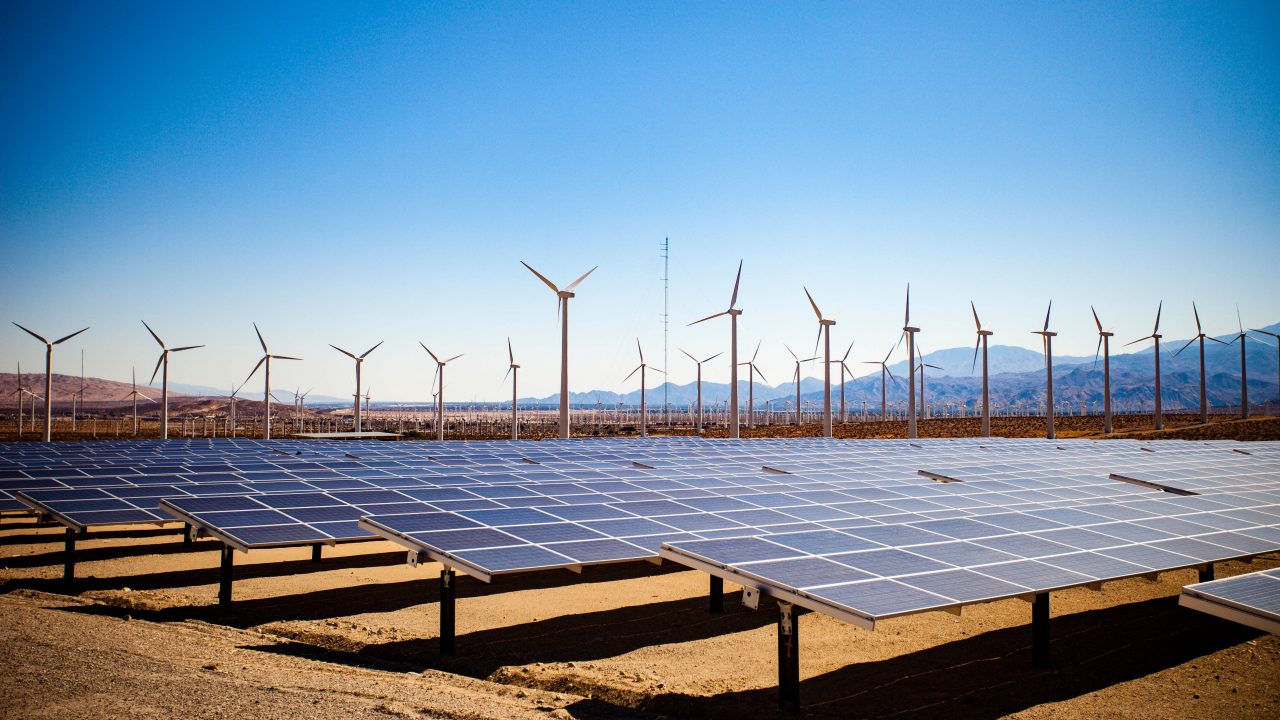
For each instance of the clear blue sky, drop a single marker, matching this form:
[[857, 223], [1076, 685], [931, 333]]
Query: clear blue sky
[[352, 172]]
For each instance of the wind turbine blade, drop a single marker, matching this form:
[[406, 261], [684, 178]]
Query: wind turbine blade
[[975, 315], [1197, 313], [657, 369], [455, 357], [511, 356], [897, 345], [633, 372], [793, 355], [847, 351], [32, 334], [1214, 339], [891, 377], [254, 370], [285, 357], [375, 347], [713, 357], [1266, 332], [762, 377], [344, 352], [1159, 307], [1046, 316], [1097, 352], [508, 373], [153, 372], [1095, 319], [975, 354], [64, 339], [1149, 337], [818, 340], [906, 316], [189, 347], [733, 299], [574, 284], [265, 351], [709, 317], [433, 355], [935, 367], [757, 352], [640, 350], [688, 355], [1184, 347], [541, 277], [812, 304], [153, 334], [1238, 320]]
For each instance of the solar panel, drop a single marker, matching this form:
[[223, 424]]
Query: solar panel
[[1252, 599]]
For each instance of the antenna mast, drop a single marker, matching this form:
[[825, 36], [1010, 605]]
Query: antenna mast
[[666, 361]]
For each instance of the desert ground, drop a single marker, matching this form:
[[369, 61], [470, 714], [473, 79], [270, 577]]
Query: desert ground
[[139, 634]]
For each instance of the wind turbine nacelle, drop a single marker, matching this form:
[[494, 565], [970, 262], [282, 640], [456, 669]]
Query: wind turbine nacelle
[[911, 329]]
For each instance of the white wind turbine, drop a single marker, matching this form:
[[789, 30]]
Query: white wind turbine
[[920, 366], [1047, 335], [231, 400], [884, 387], [562, 313], [641, 369], [1244, 382], [982, 342], [844, 367], [698, 363], [48, 377], [356, 423], [733, 314], [797, 378], [135, 395], [824, 328], [514, 371], [1200, 336], [752, 369], [22, 392], [79, 394], [164, 380], [266, 359], [909, 333], [1155, 335], [1104, 345], [440, 377]]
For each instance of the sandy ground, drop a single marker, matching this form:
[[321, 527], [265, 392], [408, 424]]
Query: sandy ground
[[138, 635]]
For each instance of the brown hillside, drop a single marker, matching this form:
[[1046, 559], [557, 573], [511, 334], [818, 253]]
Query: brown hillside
[[96, 390]]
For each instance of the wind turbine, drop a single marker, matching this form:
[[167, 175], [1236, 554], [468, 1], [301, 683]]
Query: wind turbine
[[78, 394], [982, 342], [1277, 337], [440, 376], [1244, 386], [641, 369], [909, 333], [232, 401], [884, 370], [698, 362], [824, 327], [733, 314], [798, 361], [514, 371], [920, 366], [359, 363], [266, 392], [135, 395], [752, 369], [22, 392], [48, 377], [562, 306], [1204, 395], [844, 367], [1155, 335], [1104, 345], [164, 381], [1047, 335]]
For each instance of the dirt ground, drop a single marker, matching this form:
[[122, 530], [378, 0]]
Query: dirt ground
[[139, 635]]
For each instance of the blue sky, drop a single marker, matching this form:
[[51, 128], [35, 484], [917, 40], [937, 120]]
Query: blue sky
[[348, 173]]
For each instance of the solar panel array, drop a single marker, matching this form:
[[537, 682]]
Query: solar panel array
[[1253, 598]]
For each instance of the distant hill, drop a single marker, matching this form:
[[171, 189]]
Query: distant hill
[[96, 390]]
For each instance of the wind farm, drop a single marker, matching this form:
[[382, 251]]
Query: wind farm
[[661, 491]]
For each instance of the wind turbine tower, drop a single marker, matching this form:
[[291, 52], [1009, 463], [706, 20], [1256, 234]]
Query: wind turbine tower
[[48, 377], [824, 327], [733, 314], [1104, 344], [562, 308], [1047, 335], [1155, 335], [982, 342]]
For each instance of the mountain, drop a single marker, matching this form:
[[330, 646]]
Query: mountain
[[96, 390]]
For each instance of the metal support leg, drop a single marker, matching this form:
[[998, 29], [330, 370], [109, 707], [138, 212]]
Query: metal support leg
[[186, 534], [448, 596], [224, 579], [69, 556], [315, 553], [1040, 630], [1206, 572], [788, 658], [717, 594]]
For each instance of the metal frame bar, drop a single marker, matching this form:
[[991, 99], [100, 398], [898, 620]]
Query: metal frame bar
[[1190, 600]]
